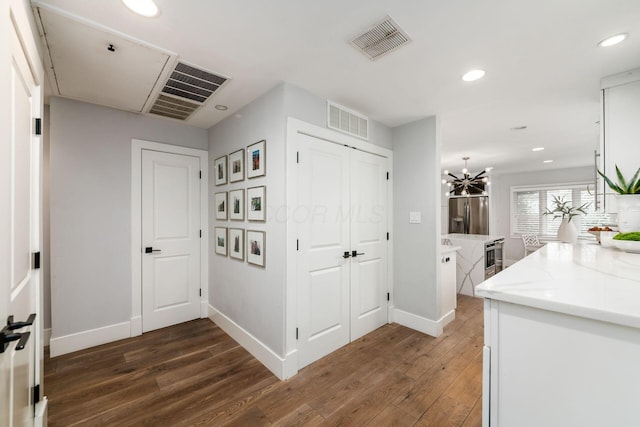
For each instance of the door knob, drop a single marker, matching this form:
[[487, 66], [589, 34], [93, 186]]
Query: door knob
[[346, 254], [150, 249], [12, 326], [356, 253]]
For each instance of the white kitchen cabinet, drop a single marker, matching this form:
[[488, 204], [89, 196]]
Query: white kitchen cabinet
[[447, 292], [562, 339], [620, 131]]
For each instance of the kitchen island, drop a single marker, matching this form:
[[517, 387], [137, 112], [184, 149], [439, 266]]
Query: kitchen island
[[562, 339]]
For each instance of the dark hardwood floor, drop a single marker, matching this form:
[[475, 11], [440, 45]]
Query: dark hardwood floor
[[194, 374]]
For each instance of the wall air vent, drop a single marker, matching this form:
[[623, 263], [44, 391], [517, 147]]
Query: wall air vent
[[381, 39], [347, 121], [186, 89]]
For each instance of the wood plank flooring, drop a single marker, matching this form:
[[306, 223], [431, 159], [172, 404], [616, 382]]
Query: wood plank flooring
[[194, 374]]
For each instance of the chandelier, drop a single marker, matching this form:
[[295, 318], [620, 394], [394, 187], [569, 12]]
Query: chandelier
[[466, 185]]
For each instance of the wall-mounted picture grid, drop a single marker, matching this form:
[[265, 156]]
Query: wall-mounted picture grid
[[220, 204], [236, 243], [256, 159], [220, 170], [256, 203], [236, 166], [221, 240], [236, 205], [256, 247]]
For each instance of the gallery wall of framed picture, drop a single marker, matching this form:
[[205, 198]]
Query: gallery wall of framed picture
[[240, 204]]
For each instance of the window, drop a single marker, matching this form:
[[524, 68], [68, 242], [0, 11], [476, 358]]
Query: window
[[529, 203]]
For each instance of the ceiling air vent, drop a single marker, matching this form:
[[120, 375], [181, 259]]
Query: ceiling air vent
[[186, 90], [381, 39], [347, 121]]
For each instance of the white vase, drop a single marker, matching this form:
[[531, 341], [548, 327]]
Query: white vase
[[628, 212], [567, 232]]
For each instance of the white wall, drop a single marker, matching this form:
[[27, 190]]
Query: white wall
[[501, 199], [90, 202], [416, 187]]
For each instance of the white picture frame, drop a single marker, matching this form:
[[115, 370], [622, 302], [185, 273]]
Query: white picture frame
[[220, 205], [256, 203], [220, 170], [257, 159], [236, 243], [220, 241], [236, 166], [256, 247], [236, 205]]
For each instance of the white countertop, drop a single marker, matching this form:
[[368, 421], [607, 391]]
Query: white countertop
[[445, 249], [582, 280]]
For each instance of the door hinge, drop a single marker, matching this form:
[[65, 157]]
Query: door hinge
[[36, 260], [297, 245], [200, 174], [388, 296], [200, 291], [201, 234], [296, 333], [36, 393], [38, 126], [387, 235], [387, 176], [297, 157]]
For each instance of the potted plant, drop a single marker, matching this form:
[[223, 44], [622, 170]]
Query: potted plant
[[628, 199], [567, 231]]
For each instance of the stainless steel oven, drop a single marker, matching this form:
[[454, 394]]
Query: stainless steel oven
[[493, 257]]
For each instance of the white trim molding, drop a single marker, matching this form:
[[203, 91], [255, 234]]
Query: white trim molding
[[281, 368], [422, 324], [85, 339]]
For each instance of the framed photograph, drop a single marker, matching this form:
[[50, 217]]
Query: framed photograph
[[236, 243], [220, 170], [220, 203], [236, 166], [256, 247], [221, 240], [256, 203], [256, 159], [236, 205]]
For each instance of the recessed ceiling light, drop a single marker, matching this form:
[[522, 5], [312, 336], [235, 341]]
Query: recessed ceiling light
[[518, 128], [537, 149], [473, 75], [221, 107], [547, 161], [146, 8], [613, 40]]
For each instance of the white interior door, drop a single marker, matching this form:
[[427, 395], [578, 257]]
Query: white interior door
[[170, 238], [19, 219], [342, 208], [369, 241], [323, 273]]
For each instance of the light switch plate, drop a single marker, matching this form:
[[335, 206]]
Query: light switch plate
[[415, 217]]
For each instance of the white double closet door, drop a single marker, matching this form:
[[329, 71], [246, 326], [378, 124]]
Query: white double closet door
[[342, 245]]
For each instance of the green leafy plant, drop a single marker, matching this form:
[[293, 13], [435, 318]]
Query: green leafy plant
[[563, 209], [634, 235], [623, 187]]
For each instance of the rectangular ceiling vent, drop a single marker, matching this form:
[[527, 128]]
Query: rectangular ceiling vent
[[347, 121], [186, 90], [381, 39]]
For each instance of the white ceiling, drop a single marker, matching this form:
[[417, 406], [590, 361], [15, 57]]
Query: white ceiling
[[541, 57]]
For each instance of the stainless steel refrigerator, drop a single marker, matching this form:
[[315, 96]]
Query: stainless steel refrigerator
[[469, 215]]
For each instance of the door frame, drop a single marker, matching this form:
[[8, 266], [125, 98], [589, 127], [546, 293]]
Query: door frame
[[137, 146], [295, 127]]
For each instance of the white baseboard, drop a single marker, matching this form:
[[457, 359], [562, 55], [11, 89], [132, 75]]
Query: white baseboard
[[447, 318], [136, 326], [81, 340], [281, 368], [46, 336], [419, 323]]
